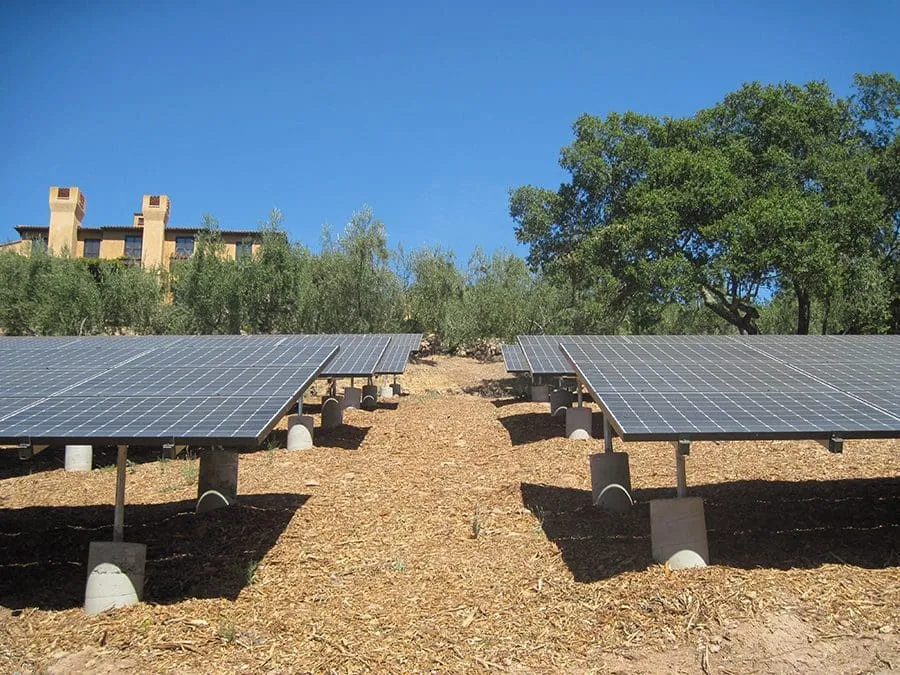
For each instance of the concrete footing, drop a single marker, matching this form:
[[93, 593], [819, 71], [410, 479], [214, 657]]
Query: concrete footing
[[560, 400], [79, 457], [578, 423], [387, 391], [678, 532], [352, 397], [115, 575], [300, 432], [611, 481], [540, 393], [396, 388], [369, 397], [332, 412], [217, 484]]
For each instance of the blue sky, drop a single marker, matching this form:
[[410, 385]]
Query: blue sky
[[428, 112]]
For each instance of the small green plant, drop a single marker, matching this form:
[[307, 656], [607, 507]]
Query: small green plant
[[190, 471], [227, 632], [398, 565], [476, 523], [108, 468], [252, 570]]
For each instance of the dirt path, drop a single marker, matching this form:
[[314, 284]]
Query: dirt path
[[455, 532]]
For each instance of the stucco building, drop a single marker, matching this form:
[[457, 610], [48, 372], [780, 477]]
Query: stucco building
[[148, 240]]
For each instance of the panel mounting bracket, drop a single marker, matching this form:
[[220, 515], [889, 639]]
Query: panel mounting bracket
[[834, 444]]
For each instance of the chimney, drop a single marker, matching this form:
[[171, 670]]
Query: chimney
[[155, 213], [67, 205], [138, 220]]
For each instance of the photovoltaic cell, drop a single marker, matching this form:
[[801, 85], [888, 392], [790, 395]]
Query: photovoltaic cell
[[514, 359], [225, 390], [358, 355], [661, 387], [396, 356]]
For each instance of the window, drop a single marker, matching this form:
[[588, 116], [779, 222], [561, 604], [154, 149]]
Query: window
[[62, 193], [184, 247], [91, 248], [243, 250], [39, 244], [133, 247], [154, 200]]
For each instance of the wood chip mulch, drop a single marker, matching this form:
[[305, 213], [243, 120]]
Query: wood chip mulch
[[452, 530]]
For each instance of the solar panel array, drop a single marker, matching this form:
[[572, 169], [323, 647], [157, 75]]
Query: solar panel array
[[514, 359], [221, 390], [660, 388], [358, 355], [396, 356]]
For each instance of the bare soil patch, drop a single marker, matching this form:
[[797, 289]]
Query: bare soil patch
[[453, 531]]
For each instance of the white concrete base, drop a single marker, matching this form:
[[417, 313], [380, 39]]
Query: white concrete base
[[560, 400], [369, 397], [217, 484], [79, 457], [395, 387], [678, 532], [332, 412], [115, 575], [540, 393], [578, 423], [300, 432], [352, 397], [387, 391], [611, 481]]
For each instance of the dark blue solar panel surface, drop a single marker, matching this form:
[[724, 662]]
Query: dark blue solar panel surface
[[396, 356], [358, 355], [224, 390], [657, 388], [514, 359]]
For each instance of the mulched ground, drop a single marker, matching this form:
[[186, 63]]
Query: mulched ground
[[452, 529]]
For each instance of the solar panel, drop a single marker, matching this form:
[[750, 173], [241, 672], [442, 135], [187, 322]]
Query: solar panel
[[543, 356], [743, 387], [226, 390], [514, 359], [358, 355], [396, 356]]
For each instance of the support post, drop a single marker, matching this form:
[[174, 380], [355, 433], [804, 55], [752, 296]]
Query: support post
[[607, 434], [115, 568], [682, 450], [119, 515], [580, 396]]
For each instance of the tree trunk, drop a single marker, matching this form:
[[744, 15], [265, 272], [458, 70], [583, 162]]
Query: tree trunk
[[802, 310]]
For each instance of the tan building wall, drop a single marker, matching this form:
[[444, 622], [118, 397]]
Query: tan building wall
[[67, 206], [158, 243]]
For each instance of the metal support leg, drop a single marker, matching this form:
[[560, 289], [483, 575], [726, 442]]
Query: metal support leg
[[607, 435], [682, 450], [119, 516], [580, 397]]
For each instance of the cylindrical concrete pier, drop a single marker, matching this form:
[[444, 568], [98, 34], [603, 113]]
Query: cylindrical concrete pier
[[332, 412], [578, 423], [79, 457], [352, 397], [369, 397], [217, 484], [678, 532], [386, 391], [396, 388], [115, 575], [560, 400], [540, 393], [300, 432], [611, 481]]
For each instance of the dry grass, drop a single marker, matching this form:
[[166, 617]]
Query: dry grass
[[455, 532]]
